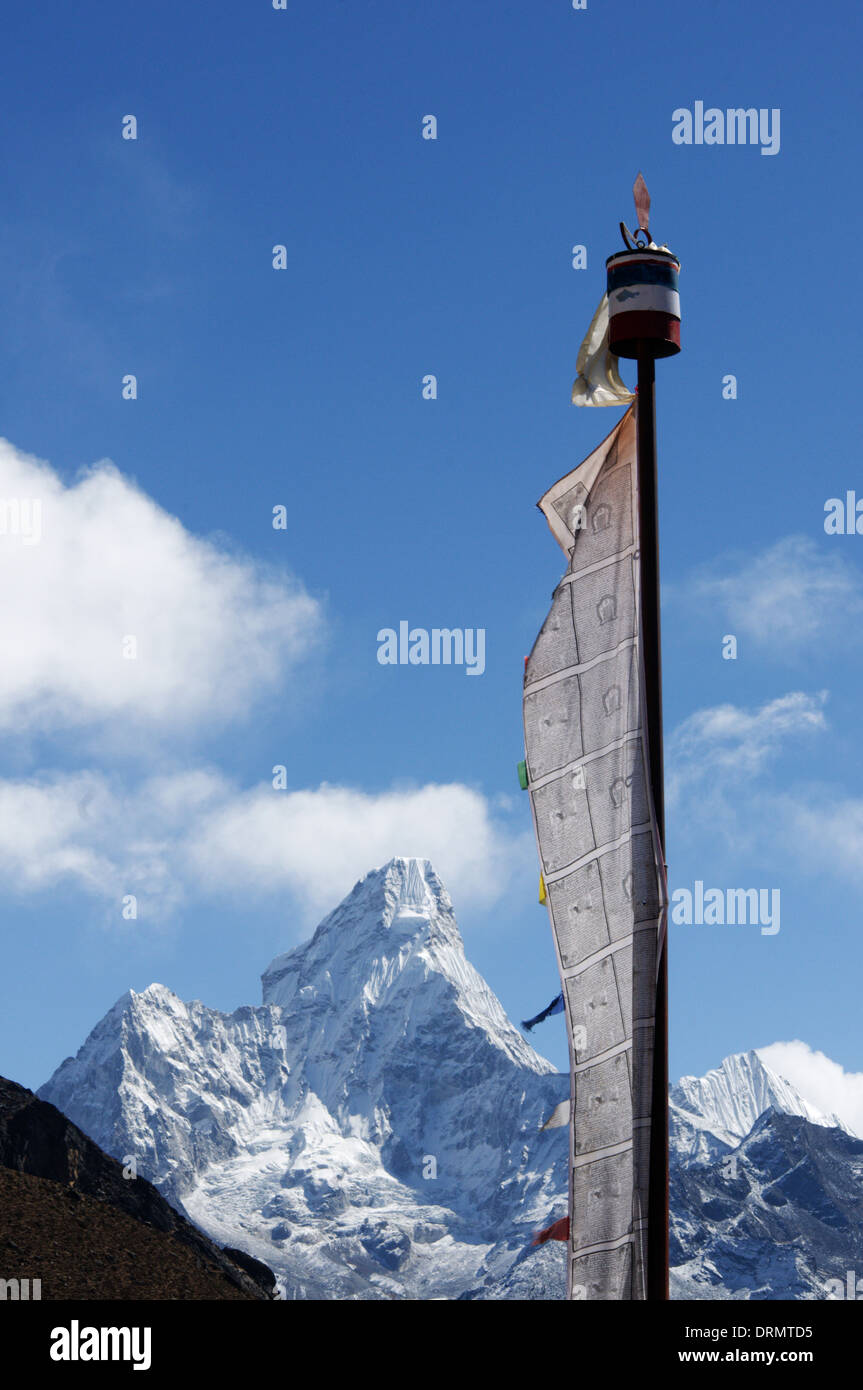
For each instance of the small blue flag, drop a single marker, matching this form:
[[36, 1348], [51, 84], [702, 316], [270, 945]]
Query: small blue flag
[[555, 1007]]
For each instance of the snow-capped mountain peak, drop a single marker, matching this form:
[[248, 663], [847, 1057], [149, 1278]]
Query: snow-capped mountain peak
[[393, 945], [764, 1188], [726, 1103], [378, 1112]]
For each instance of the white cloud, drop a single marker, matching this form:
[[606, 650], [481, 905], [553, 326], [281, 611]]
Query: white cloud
[[213, 631], [43, 833], [194, 833], [725, 743], [793, 598], [82, 829], [828, 829], [824, 1083], [714, 762], [318, 843]]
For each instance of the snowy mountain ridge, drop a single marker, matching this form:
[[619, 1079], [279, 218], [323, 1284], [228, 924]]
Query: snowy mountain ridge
[[712, 1113], [372, 1129]]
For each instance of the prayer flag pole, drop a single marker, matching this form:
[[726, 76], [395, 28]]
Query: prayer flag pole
[[646, 329], [592, 709]]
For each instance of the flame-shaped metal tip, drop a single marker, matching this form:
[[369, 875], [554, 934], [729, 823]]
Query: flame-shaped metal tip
[[642, 203]]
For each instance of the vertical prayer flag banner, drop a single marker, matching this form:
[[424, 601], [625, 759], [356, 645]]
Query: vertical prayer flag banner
[[596, 830]]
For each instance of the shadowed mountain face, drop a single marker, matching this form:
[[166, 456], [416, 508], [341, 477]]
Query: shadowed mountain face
[[780, 1215], [70, 1219], [765, 1192]]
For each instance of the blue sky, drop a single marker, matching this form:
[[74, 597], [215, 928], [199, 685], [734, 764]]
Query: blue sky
[[302, 388]]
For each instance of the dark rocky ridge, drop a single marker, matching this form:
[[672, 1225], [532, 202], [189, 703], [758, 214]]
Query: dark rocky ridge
[[82, 1192]]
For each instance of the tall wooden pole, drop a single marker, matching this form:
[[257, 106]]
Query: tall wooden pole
[[657, 1208]]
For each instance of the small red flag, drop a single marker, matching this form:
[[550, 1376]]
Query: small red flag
[[559, 1230]]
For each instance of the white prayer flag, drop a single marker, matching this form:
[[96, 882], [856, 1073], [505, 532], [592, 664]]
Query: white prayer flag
[[598, 381], [587, 774]]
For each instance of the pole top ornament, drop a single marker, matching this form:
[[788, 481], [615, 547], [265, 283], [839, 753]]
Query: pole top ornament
[[642, 240], [642, 290]]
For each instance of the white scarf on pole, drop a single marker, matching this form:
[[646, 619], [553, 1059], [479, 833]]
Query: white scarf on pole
[[598, 381]]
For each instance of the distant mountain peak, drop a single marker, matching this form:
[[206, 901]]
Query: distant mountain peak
[[390, 915], [393, 946], [730, 1099]]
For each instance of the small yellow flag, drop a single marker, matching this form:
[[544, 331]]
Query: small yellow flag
[[541, 889]]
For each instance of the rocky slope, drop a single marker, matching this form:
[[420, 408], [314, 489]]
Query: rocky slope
[[70, 1219]]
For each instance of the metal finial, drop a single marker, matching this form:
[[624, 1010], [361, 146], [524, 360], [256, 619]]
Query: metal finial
[[642, 203]]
